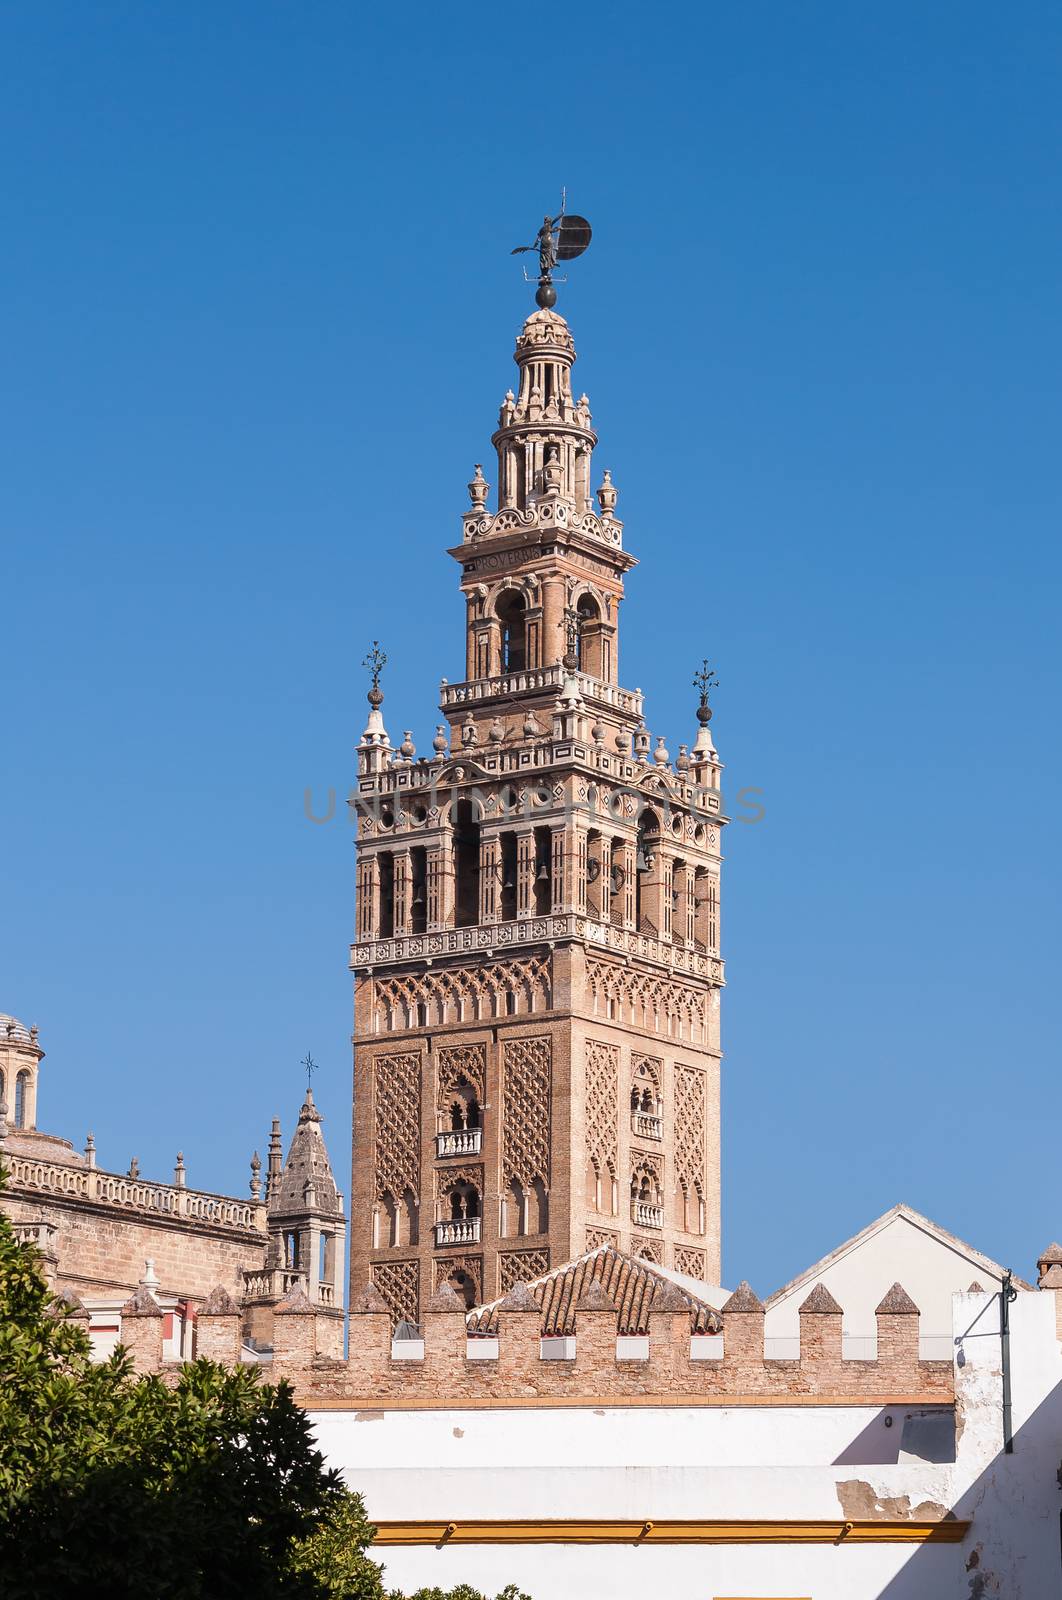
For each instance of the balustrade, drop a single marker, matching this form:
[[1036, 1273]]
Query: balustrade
[[644, 1215], [458, 1230], [646, 1125], [458, 1142]]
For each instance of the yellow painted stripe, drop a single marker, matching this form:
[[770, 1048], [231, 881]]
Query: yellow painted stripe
[[583, 1531], [613, 1402]]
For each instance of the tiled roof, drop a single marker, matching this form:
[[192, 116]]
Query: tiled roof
[[631, 1283], [12, 1028]]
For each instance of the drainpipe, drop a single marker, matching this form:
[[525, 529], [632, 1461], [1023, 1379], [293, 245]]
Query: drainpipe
[[1007, 1293]]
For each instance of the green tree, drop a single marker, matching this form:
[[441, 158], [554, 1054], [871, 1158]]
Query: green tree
[[206, 1488]]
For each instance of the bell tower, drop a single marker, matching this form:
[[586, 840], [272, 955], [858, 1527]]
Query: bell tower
[[536, 960]]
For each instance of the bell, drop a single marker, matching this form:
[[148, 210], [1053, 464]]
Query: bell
[[645, 859], [418, 896], [542, 875], [507, 882]]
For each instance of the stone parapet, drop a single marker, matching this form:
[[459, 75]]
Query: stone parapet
[[113, 1192]]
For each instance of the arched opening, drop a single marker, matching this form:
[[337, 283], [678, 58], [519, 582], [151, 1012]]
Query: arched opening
[[508, 877], [537, 1207], [463, 1201], [511, 611], [513, 1210], [387, 894], [418, 902], [388, 1212], [21, 1093], [543, 880], [466, 862], [647, 867], [408, 1219], [589, 637], [464, 1110]]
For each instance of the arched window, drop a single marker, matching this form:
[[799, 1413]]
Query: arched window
[[589, 638], [463, 1201], [463, 1284], [511, 612], [513, 1210], [466, 862], [21, 1090]]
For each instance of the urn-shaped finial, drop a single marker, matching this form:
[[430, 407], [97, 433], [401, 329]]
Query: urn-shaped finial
[[478, 489], [607, 494]]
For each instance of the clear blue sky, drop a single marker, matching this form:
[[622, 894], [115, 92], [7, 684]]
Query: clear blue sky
[[258, 316]]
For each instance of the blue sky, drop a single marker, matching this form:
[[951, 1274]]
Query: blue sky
[[258, 316]]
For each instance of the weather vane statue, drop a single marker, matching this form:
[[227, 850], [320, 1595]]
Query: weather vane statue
[[560, 238], [309, 1066]]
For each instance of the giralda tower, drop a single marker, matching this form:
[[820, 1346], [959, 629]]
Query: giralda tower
[[536, 962]]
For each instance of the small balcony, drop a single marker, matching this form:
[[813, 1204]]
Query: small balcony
[[458, 1142], [644, 1215], [459, 1230], [646, 1125]]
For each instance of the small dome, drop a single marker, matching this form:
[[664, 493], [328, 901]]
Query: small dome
[[14, 1031]]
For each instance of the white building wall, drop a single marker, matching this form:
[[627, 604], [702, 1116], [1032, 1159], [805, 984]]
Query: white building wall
[[930, 1269], [739, 1463]]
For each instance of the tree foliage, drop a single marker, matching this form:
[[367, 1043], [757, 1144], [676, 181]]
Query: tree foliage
[[206, 1487]]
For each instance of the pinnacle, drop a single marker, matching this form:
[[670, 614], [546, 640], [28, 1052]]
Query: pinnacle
[[744, 1299], [595, 1297], [897, 1303], [820, 1303]]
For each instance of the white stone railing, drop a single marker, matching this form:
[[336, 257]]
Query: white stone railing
[[490, 936], [646, 1216], [461, 1230], [647, 1126], [527, 679], [458, 1142], [132, 1194], [271, 1283]]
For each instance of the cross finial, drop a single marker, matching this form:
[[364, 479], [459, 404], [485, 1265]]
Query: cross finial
[[311, 1067], [375, 662], [705, 680]]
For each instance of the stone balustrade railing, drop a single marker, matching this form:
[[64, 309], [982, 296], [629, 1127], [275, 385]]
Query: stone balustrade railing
[[490, 936], [553, 677], [646, 1216], [122, 1193], [459, 1230], [646, 1125], [458, 1142]]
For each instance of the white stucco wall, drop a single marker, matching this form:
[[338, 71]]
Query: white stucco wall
[[740, 1462], [931, 1270]]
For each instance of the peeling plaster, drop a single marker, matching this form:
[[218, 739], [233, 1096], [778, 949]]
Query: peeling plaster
[[860, 1502]]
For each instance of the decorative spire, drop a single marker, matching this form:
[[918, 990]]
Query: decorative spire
[[705, 680], [179, 1171], [608, 494], [256, 1181], [372, 751], [275, 1159], [90, 1151]]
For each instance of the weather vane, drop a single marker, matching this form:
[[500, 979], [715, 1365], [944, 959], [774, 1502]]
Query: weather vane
[[311, 1067], [705, 680], [375, 662], [560, 238]]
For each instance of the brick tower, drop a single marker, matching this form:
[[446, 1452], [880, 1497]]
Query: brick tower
[[537, 971]]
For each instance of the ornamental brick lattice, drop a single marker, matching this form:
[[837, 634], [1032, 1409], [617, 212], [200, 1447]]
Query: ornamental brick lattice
[[520, 1266], [397, 1125], [691, 1262], [526, 1125], [460, 1065], [399, 1283], [602, 1104], [690, 1106]]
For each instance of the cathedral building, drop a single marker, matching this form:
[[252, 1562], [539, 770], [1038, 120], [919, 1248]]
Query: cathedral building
[[105, 1237], [537, 965]]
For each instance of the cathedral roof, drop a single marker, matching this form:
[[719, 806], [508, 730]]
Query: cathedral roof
[[12, 1030], [307, 1165]]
